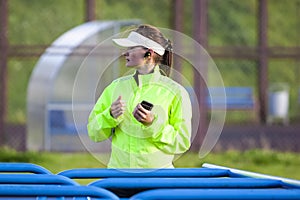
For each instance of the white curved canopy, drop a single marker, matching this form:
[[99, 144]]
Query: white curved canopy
[[51, 85]]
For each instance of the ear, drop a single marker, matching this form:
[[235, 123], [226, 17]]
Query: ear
[[148, 53]]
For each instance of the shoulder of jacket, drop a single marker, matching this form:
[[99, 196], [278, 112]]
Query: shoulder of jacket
[[123, 78], [174, 86], [171, 83]]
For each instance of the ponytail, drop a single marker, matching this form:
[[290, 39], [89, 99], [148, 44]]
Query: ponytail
[[166, 62]]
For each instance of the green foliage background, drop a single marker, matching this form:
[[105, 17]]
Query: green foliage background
[[231, 23]]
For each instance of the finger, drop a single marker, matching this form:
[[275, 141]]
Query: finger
[[141, 116], [118, 100], [117, 110], [117, 113], [134, 112], [113, 113], [142, 109], [119, 104], [120, 109], [136, 115], [122, 103]]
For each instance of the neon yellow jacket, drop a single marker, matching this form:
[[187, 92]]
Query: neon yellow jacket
[[135, 145]]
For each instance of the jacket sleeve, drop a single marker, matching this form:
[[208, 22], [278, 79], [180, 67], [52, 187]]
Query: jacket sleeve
[[173, 136], [100, 122]]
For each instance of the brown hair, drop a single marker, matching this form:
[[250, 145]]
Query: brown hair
[[153, 33]]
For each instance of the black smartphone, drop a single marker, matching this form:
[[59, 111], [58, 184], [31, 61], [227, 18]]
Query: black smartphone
[[147, 105]]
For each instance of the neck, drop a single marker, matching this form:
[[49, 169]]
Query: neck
[[146, 69]]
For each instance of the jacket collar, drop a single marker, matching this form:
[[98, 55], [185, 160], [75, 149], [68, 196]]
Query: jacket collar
[[147, 78]]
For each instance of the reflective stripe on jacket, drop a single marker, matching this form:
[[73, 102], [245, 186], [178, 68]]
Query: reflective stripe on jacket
[[135, 145]]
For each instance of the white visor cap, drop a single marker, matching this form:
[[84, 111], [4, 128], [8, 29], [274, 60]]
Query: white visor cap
[[136, 39]]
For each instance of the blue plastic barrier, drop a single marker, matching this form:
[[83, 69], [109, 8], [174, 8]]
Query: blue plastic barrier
[[118, 173], [209, 182], [55, 191], [152, 183], [222, 194], [23, 168], [35, 179], [127, 187], [236, 172]]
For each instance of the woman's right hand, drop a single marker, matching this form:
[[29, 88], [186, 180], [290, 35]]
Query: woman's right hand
[[117, 108]]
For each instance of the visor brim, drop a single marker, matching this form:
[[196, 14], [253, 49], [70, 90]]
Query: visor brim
[[124, 42]]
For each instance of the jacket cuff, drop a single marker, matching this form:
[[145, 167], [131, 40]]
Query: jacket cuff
[[166, 135], [110, 120]]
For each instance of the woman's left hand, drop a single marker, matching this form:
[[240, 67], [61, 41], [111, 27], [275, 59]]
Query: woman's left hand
[[142, 115]]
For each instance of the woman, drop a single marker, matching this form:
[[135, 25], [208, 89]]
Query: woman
[[143, 137]]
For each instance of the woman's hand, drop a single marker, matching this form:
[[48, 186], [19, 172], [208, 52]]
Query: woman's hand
[[143, 115], [117, 108]]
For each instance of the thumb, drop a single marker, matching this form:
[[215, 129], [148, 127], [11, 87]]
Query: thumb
[[119, 98]]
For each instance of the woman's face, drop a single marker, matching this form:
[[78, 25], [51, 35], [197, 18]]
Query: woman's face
[[135, 56]]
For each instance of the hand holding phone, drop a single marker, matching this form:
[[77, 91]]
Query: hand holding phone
[[139, 113]]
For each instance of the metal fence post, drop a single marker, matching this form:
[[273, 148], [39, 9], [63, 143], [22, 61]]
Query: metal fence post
[[263, 59], [177, 23], [200, 35], [3, 66], [90, 14]]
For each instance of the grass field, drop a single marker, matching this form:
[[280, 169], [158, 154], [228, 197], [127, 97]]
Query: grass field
[[284, 164]]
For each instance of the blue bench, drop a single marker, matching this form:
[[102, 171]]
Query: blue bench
[[58, 124], [230, 98], [237, 98]]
